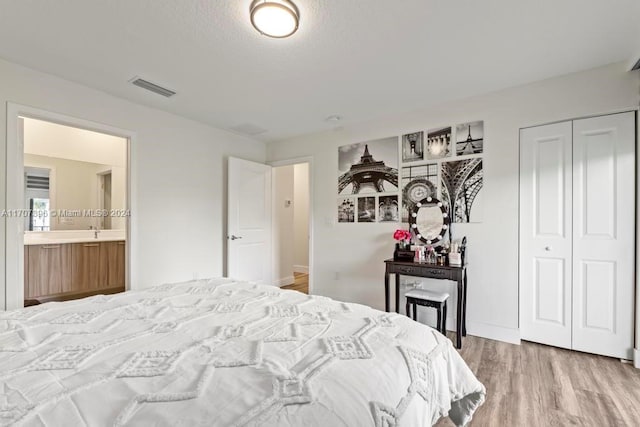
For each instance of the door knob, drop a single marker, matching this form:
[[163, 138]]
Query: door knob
[[232, 237], [547, 248]]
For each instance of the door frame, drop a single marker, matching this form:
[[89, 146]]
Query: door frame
[[101, 175], [296, 161], [12, 281], [636, 325]]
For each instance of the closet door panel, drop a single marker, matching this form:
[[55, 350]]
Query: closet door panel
[[603, 232], [545, 234]]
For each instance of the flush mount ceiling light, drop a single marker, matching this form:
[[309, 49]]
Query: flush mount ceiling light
[[275, 18]]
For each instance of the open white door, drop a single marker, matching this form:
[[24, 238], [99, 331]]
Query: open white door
[[249, 221]]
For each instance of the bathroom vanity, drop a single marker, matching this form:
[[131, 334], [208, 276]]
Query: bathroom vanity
[[66, 265]]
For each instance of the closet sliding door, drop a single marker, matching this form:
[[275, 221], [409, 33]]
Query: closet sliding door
[[577, 228], [604, 234]]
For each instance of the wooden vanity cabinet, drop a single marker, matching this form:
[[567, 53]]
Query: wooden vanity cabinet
[[85, 266], [47, 269], [58, 272], [112, 258]]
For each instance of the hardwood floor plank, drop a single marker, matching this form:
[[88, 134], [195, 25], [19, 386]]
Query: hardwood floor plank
[[537, 385], [301, 283]]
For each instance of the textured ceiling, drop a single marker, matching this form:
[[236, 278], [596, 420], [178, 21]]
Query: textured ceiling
[[361, 59]]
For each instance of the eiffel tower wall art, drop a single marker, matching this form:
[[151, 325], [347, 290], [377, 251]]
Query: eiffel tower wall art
[[470, 138], [461, 187], [368, 167]]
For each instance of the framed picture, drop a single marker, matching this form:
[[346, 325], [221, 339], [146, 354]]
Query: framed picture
[[438, 143], [346, 209], [368, 167], [388, 209], [418, 182], [470, 138], [461, 183], [413, 147], [366, 209]]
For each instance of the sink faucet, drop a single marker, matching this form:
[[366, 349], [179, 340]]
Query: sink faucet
[[95, 233]]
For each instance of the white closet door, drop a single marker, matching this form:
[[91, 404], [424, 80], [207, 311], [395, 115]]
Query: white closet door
[[545, 234], [603, 232]]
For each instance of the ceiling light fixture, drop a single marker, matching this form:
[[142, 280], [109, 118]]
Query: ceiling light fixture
[[275, 18]]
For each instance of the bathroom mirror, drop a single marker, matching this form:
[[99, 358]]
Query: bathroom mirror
[[74, 179], [429, 221]]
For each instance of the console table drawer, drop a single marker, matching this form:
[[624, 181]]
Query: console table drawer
[[422, 271]]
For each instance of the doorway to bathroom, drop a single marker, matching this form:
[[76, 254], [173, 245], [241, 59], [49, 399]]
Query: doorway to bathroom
[[68, 196]]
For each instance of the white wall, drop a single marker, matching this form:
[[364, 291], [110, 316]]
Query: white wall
[[178, 174], [348, 258], [301, 217], [283, 225]]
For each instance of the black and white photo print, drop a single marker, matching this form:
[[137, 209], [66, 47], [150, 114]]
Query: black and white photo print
[[388, 209], [438, 143], [346, 209], [366, 209], [413, 147], [470, 138], [417, 183], [461, 188], [368, 167]]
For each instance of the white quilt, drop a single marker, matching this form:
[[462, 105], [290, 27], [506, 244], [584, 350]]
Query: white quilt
[[224, 353]]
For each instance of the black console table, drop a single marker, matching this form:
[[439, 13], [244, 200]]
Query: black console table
[[430, 271]]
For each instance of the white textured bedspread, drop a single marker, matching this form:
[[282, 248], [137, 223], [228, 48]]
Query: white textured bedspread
[[224, 353]]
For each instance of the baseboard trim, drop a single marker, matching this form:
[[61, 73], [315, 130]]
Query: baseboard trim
[[636, 358], [301, 269], [289, 280], [493, 332]]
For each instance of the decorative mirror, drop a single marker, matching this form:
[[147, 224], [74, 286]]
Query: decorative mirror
[[429, 221]]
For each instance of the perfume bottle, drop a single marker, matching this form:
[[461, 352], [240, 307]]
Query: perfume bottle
[[431, 255]]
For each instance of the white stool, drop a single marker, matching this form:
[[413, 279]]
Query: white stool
[[437, 300]]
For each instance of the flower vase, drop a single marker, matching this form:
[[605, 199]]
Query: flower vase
[[403, 252]]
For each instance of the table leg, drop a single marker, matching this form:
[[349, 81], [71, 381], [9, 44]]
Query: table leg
[[386, 292], [459, 315], [397, 293], [464, 306]]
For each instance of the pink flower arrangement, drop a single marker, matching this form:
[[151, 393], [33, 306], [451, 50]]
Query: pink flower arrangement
[[402, 235]]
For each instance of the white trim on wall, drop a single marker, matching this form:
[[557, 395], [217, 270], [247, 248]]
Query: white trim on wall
[[284, 281], [295, 161], [304, 269], [636, 353], [13, 278]]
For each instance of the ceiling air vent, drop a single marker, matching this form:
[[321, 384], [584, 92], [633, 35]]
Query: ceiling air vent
[[145, 84]]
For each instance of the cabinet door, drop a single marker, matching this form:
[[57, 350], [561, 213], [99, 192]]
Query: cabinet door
[[48, 268], [85, 266], [603, 233], [546, 234], [112, 255]]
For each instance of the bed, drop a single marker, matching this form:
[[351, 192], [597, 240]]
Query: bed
[[225, 353]]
